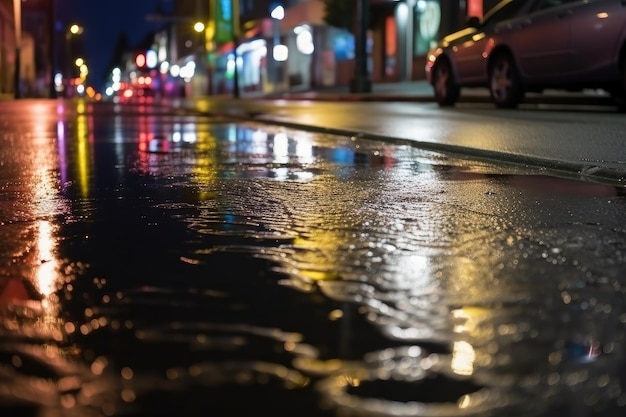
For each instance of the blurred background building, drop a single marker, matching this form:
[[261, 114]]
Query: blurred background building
[[35, 49], [268, 45], [204, 47]]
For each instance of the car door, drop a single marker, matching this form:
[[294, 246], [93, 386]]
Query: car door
[[541, 39], [473, 47], [468, 56], [597, 39]]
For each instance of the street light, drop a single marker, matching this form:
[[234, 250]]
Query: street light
[[75, 29], [278, 12], [279, 52], [202, 62], [198, 27], [72, 31]]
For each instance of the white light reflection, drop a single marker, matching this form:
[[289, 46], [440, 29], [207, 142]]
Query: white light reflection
[[285, 149], [304, 149], [231, 133], [50, 156], [190, 137], [257, 146], [417, 271], [281, 148], [46, 273], [304, 39], [280, 53], [463, 357], [259, 136], [184, 133]]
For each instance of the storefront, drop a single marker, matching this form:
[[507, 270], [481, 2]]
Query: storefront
[[313, 54]]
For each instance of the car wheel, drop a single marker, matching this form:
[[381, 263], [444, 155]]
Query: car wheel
[[505, 84], [446, 89]]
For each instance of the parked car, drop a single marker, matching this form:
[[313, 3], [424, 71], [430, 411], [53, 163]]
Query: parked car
[[530, 45]]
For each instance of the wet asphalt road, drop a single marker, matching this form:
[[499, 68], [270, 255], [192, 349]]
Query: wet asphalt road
[[585, 141], [161, 263]]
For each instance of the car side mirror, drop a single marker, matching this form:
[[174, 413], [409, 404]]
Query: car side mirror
[[473, 22]]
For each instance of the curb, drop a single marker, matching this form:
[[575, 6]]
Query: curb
[[573, 99], [562, 169]]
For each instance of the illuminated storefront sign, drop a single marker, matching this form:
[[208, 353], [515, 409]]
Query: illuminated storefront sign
[[226, 20]]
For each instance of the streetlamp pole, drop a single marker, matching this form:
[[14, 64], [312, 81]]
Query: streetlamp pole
[[408, 51], [201, 54], [17, 13], [277, 13], [70, 34], [361, 82], [52, 49]]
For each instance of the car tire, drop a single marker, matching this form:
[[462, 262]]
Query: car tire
[[618, 92], [505, 83], [619, 99], [445, 87]]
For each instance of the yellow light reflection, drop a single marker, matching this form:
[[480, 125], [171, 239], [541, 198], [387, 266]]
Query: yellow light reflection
[[465, 401], [205, 164], [451, 38], [45, 202], [463, 357], [318, 242], [478, 36], [82, 132], [46, 199], [467, 318], [82, 155]]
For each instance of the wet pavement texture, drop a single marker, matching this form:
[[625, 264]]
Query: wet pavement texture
[[160, 263]]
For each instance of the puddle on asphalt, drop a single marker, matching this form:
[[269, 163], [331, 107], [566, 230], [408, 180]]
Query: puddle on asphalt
[[228, 268]]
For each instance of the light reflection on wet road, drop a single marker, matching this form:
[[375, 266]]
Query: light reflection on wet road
[[157, 263]]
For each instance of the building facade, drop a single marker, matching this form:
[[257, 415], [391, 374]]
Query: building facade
[[35, 49], [399, 34], [262, 46], [244, 47], [7, 47]]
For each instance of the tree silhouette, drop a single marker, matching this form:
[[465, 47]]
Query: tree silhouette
[[340, 13], [122, 47]]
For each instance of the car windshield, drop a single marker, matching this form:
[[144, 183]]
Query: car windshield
[[540, 5], [504, 10]]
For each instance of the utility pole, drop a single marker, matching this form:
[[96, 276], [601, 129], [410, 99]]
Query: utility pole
[[17, 14]]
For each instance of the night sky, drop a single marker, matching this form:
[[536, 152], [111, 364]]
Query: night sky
[[103, 21]]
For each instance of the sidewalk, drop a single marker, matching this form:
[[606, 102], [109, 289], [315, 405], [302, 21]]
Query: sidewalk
[[421, 91], [392, 91]]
